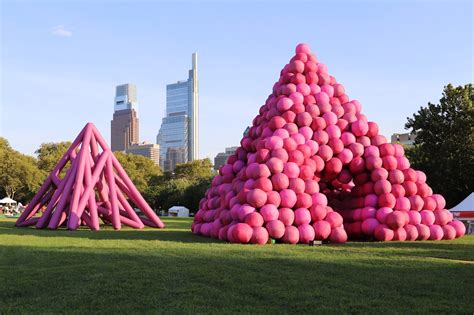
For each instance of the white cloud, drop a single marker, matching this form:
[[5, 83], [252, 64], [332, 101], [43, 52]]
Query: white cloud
[[60, 31]]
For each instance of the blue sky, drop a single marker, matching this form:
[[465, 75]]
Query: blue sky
[[61, 60]]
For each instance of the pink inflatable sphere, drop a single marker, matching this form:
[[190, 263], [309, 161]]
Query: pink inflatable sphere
[[412, 232], [441, 216], [338, 235], [275, 229], [383, 233], [449, 232], [269, 213], [400, 235], [256, 198], [334, 219], [242, 233], [288, 198], [382, 214], [286, 215], [436, 232], [395, 220], [369, 225], [423, 232], [291, 235], [259, 236], [322, 230], [306, 232], [459, 227], [427, 217], [302, 216], [254, 219]]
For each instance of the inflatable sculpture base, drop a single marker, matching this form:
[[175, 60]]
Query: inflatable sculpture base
[[94, 187], [312, 167]]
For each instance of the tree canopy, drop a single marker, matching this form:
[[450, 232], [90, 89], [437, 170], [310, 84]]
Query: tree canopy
[[444, 145], [140, 169]]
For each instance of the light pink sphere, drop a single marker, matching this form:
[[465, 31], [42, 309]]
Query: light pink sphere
[[369, 225], [288, 198], [322, 98], [325, 152], [254, 219], [275, 165], [318, 212], [359, 128], [259, 236], [414, 217], [269, 213], [412, 232], [306, 232], [280, 181], [427, 217], [449, 232], [423, 232], [396, 177], [322, 230], [286, 215], [273, 198], [333, 132], [440, 202], [274, 143], [303, 48], [389, 162], [291, 235], [382, 186], [284, 104], [386, 200], [306, 132], [291, 170], [459, 227], [302, 216], [256, 198], [345, 156], [436, 232], [402, 163], [334, 219], [338, 235], [442, 216], [275, 229], [400, 235], [319, 199], [403, 204], [383, 233], [311, 186]]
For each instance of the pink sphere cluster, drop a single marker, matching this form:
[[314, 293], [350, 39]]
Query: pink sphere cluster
[[312, 167]]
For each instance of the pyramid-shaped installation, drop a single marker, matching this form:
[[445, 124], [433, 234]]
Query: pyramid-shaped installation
[[312, 167], [94, 187]]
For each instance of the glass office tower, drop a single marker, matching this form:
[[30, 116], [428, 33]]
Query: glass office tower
[[179, 133]]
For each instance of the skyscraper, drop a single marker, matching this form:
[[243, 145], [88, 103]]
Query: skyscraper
[[179, 133], [124, 129]]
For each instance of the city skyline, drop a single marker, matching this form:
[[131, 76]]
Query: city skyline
[[59, 69]]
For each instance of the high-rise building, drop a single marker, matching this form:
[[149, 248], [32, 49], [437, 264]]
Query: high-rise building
[[179, 133], [124, 128], [149, 150], [221, 157]]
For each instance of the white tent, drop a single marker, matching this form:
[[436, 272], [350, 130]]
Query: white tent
[[7, 200], [178, 211], [465, 209]]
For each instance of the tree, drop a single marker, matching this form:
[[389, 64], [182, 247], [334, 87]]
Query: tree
[[19, 174], [444, 145], [50, 153], [140, 169], [194, 170]]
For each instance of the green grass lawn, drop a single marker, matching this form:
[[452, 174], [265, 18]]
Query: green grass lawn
[[174, 271]]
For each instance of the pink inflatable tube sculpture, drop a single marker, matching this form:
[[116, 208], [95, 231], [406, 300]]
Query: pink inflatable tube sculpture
[[94, 187], [312, 167]]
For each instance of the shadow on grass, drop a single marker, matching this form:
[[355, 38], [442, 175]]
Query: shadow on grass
[[201, 280], [175, 231]]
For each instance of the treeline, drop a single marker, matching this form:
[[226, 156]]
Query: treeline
[[22, 175]]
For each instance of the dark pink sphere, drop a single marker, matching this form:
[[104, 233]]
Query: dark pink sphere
[[242, 233], [288, 198], [436, 232], [306, 232], [254, 219], [269, 213], [412, 232], [400, 235], [423, 232], [259, 236]]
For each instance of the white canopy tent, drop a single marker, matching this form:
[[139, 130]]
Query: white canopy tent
[[7, 200], [178, 211], [465, 209]]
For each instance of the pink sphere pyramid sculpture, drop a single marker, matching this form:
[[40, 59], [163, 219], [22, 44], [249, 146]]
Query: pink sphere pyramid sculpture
[[94, 187], [312, 167]]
